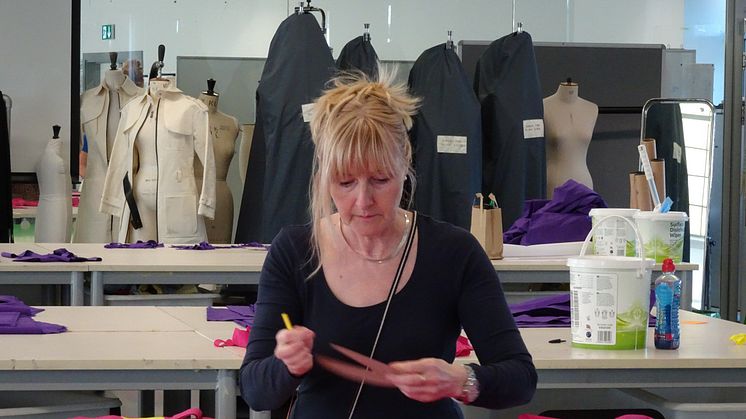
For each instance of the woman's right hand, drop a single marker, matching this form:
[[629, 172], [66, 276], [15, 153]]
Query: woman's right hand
[[294, 349]]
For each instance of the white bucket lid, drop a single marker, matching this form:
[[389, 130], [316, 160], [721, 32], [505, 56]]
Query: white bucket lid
[[662, 216], [624, 212], [611, 262]]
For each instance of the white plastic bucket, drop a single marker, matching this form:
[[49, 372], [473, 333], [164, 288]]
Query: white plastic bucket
[[610, 297], [662, 234], [614, 237]]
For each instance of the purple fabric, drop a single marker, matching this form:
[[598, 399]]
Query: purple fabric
[[15, 318], [28, 326], [564, 218], [242, 315], [9, 318], [9, 303], [150, 244], [551, 311], [58, 255], [208, 246]]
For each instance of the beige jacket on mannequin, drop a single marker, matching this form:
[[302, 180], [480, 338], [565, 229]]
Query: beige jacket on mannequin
[[184, 133], [91, 225]]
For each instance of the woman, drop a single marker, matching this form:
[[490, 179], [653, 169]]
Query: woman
[[333, 279]]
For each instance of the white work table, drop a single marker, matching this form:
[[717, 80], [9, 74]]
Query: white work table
[[706, 358], [42, 273], [117, 348], [167, 265]]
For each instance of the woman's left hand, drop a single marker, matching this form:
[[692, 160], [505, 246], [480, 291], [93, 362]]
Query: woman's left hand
[[428, 379]]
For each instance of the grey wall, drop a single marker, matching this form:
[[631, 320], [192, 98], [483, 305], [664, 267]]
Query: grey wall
[[35, 50]]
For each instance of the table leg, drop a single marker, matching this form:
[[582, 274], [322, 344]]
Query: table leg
[[97, 288], [225, 395], [76, 288]]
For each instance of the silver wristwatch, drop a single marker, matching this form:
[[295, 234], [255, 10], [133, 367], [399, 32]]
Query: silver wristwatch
[[470, 389]]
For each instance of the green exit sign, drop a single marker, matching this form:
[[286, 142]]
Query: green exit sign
[[107, 32]]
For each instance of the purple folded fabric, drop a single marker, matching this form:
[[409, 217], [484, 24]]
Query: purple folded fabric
[[9, 303], [58, 255], [551, 311], [150, 244], [15, 318], [28, 326], [242, 315], [9, 318], [564, 218], [208, 246]]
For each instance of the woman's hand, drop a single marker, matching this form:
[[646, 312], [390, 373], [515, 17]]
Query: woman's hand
[[294, 349], [428, 379]]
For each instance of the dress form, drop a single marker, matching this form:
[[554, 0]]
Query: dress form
[[145, 168], [54, 214], [244, 152], [100, 113], [114, 79], [224, 131], [568, 127]]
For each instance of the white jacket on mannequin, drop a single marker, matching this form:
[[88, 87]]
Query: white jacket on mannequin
[[184, 133], [91, 225]]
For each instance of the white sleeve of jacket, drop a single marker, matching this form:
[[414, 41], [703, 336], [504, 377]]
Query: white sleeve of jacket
[[112, 197], [205, 153]]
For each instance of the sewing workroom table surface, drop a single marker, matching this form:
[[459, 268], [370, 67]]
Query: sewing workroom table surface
[[47, 273], [175, 351]]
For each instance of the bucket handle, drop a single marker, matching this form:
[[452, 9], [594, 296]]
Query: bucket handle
[[639, 247]]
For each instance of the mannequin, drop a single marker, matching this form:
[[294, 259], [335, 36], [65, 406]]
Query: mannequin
[[99, 115], [150, 182], [224, 131], [568, 125], [54, 214]]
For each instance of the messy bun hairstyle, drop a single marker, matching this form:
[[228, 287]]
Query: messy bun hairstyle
[[358, 124]]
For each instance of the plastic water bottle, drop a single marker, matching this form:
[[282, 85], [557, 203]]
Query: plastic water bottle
[[667, 301]]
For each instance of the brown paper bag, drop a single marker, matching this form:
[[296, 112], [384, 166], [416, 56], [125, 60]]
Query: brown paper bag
[[487, 227]]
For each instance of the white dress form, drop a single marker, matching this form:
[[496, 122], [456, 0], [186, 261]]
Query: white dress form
[[224, 131], [114, 80], [100, 115], [54, 214], [568, 127], [145, 169]]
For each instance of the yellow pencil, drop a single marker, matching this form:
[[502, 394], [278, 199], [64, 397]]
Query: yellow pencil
[[286, 319]]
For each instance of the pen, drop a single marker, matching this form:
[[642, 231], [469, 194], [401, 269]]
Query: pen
[[557, 341], [286, 320]]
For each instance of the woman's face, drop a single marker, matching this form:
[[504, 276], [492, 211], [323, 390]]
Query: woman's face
[[367, 202]]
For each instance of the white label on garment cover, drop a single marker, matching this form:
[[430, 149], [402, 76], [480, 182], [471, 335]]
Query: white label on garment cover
[[454, 144], [533, 128], [307, 111], [677, 152]]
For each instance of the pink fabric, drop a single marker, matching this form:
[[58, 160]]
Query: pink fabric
[[20, 203], [193, 413], [240, 338], [463, 346], [633, 416]]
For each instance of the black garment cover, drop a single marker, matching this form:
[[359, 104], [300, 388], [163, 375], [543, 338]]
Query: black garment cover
[[506, 81], [275, 193], [664, 123], [6, 206], [359, 54], [446, 180]]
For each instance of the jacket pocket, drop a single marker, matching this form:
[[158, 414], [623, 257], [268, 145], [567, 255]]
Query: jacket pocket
[[181, 215]]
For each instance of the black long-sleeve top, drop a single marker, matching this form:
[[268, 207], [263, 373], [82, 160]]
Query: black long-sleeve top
[[453, 284]]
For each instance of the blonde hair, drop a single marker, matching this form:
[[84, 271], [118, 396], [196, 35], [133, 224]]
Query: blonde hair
[[359, 124]]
